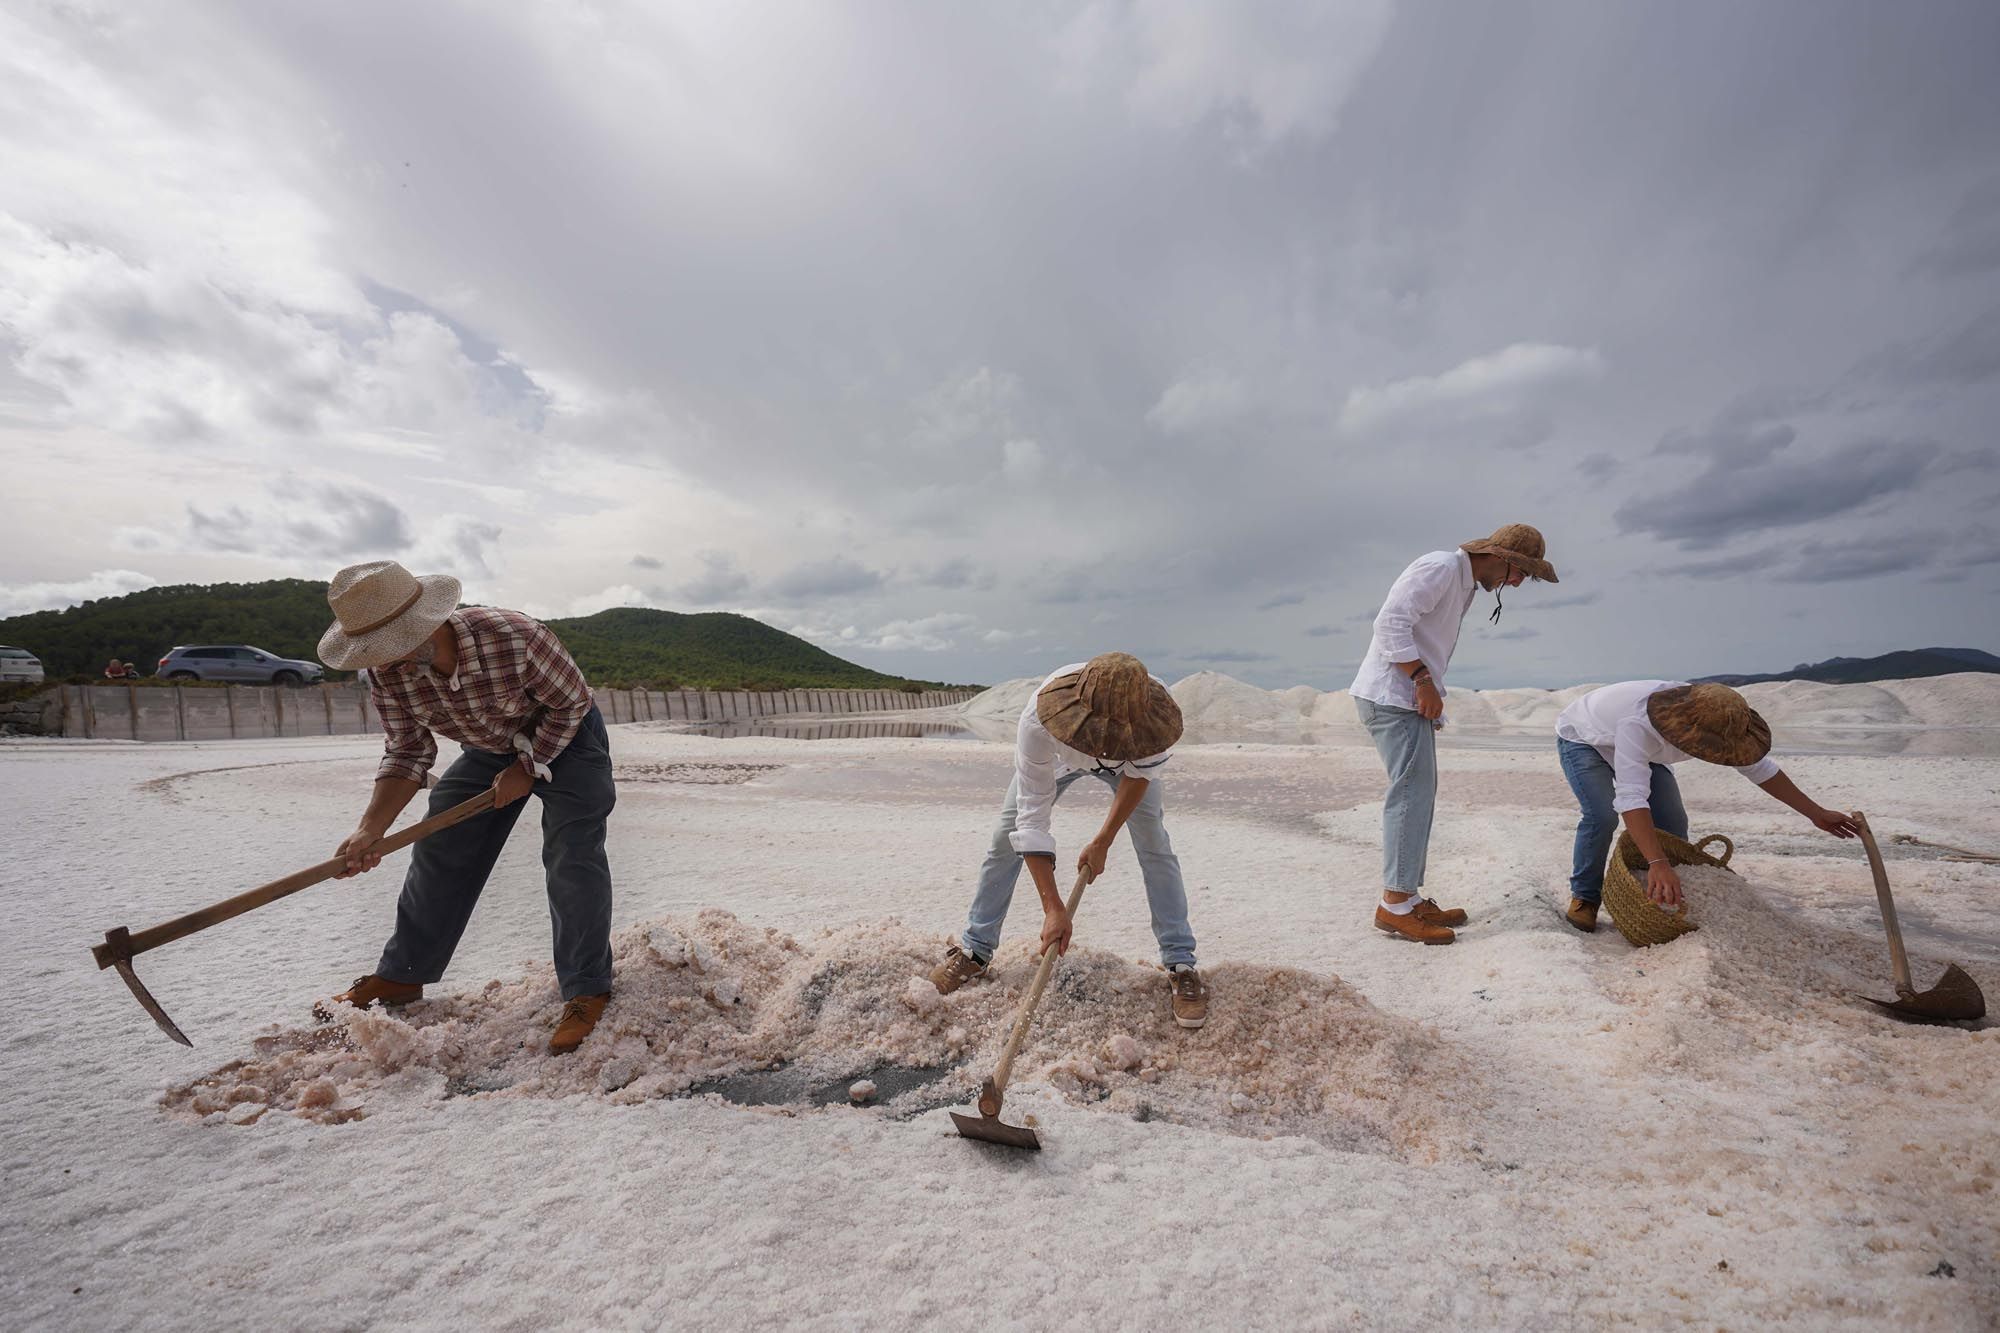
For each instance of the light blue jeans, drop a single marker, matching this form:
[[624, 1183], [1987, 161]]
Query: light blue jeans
[[1166, 894], [1594, 784], [1407, 743]]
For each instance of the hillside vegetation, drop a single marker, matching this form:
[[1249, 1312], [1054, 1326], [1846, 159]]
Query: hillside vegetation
[[621, 646]]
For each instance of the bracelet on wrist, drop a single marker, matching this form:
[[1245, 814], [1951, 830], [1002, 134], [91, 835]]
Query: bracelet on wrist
[[1657, 861]]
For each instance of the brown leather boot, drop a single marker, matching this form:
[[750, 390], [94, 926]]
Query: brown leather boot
[[1427, 910], [1411, 927], [1582, 915], [579, 1016], [372, 989], [957, 968]]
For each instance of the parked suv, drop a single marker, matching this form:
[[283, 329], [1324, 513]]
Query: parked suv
[[237, 662], [18, 664]]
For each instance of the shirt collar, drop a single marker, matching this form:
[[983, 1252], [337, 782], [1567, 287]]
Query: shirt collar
[[468, 656]]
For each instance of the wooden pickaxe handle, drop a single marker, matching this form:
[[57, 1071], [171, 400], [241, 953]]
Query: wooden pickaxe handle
[[126, 946]]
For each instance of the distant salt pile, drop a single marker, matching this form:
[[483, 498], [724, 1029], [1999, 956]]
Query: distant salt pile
[[1284, 1052], [1220, 709]]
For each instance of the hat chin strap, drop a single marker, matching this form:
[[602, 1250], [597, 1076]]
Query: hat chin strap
[[1496, 605]]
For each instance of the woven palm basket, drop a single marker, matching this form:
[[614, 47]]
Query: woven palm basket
[[1638, 918]]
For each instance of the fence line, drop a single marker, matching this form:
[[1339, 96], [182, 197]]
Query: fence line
[[124, 711]]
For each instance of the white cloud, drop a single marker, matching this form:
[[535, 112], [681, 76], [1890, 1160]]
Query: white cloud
[[18, 599], [620, 594], [1285, 68], [1501, 383], [1198, 402], [1021, 460]]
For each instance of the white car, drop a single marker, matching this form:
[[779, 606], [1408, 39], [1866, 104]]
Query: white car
[[18, 664]]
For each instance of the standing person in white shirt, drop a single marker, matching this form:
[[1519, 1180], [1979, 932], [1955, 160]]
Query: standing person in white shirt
[[1399, 694], [1108, 719], [1617, 746]]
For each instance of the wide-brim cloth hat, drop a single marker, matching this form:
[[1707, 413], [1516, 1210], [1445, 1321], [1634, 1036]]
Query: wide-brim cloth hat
[[1110, 709], [1520, 546], [382, 612], [1711, 722]]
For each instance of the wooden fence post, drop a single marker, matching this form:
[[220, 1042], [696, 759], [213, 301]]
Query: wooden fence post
[[180, 712], [327, 700], [132, 704]]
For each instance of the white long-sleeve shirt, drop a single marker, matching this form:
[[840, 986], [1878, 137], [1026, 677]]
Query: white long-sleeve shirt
[[1612, 720], [1040, 761], [1419, 619]]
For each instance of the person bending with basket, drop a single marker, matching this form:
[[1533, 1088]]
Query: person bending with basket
[[1107, 719], [1618, 745], [504, 687]]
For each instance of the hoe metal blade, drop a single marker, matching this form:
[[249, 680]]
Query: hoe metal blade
[[988, 1127], [1955, 999]]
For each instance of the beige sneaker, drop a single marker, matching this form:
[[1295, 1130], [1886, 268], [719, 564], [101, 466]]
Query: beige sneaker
[[1190, 996], [957, 968]]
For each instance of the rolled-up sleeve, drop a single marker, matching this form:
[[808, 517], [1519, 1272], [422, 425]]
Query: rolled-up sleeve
[[408, 749], [1413, 595], [551, 678], [1632, 765], [1035, 757]]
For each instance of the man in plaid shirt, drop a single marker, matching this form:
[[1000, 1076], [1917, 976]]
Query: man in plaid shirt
[[502, 685]]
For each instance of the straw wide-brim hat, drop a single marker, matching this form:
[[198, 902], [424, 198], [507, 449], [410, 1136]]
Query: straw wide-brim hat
[[382, 612], [1520, 546], [1710, 722], [1110, 709]]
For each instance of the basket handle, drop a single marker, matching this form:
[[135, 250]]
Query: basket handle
[[1728, 847]]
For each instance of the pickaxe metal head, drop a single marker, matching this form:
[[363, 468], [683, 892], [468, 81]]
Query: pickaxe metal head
[[116, 951]]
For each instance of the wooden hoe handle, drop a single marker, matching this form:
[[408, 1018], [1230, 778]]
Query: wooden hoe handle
[[1899, 960], [168, 931], [1049, 955]]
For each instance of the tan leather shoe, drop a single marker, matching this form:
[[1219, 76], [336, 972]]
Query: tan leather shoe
[[372, 989], [1428, 911], [1190, 999], [957, 968], [1582, 915], [579, 1016], [1411, 927]]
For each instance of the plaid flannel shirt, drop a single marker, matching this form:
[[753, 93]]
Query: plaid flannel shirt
[[516, 690]]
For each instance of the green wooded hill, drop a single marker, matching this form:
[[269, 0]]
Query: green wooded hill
[[621, 646]]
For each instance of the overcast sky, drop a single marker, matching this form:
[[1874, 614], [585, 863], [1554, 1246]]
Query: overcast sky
[[971, 340]]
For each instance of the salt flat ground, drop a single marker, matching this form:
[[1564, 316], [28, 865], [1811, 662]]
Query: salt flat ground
[[1562, 1131]]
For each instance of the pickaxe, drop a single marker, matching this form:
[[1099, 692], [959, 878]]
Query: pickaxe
[[121, 946]]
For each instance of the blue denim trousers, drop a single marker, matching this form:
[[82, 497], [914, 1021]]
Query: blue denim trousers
[[1407, 743], [1591, 778], [449, 868], [1166, 893]]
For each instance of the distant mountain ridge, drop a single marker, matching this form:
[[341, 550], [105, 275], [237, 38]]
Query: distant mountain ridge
[[625, 645], [1905, 664]]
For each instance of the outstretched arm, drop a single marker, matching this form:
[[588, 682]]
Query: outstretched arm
[[1827, 821]]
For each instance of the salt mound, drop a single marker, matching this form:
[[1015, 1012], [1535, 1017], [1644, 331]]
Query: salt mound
[[1221, 708], [1004, 701], [1284, 1051], [1756, 983]]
